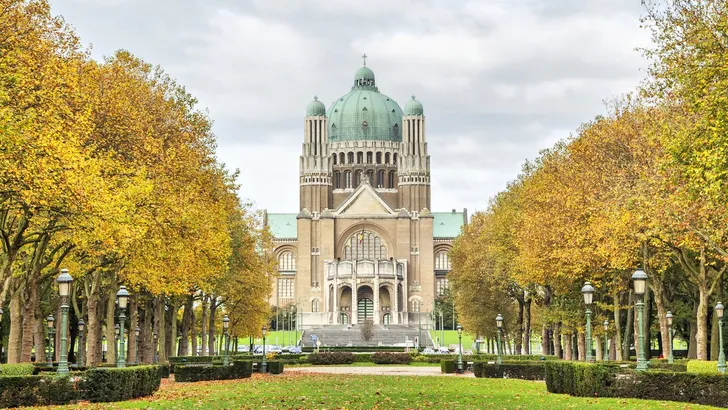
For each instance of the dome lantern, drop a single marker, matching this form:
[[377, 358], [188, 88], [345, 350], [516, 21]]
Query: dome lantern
[[413, 107]]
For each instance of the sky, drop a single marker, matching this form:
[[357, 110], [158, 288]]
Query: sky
[[500, 80]]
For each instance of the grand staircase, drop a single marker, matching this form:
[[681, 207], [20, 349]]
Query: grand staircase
[[350, 335]]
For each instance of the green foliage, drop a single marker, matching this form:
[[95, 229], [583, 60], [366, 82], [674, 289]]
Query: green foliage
[[448, 366], [332, 358], [355, 349], [275, 367], [199, 372], [116, 384], [511, 370], [702, 366], [19, 369], [391, 358], [16, 391]]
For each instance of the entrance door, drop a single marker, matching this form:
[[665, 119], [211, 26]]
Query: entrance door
[[386, 319], [365, 310], [344, 319]]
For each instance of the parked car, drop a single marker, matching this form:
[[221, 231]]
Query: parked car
[[443, 350], [294, 350], [243, 349], [429, 350]]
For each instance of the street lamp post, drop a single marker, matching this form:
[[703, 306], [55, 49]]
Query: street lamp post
[[639, 280], [721, 355], [499, 324], [123, 297], [64, 289], [460, 349], [50, 319], [606, 340], [81, 350], [225, 325], [264, 365], [668, 316], [137, 331], [588, 291]]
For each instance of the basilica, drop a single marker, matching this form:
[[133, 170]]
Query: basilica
[[364, 244]]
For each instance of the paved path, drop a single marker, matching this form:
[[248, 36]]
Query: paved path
[[377, 370]]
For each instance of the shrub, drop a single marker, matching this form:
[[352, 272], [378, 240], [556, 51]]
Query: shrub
[[116, 384], [510, 370], [702, 366], [16, 391], [367, 330], [200, 372], [193, 359], [164, 371], [275, 367], [363, 357], [20, 369], [391, 358], [448, 366], [674, 367], [331, 358], [705, 389]]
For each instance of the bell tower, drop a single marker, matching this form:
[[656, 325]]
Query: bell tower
[[413, 169], [315, 161]]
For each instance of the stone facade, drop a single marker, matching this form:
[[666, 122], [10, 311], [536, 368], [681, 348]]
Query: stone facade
[[364, 244]]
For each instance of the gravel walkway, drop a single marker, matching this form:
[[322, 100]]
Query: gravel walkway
[[378, 370]]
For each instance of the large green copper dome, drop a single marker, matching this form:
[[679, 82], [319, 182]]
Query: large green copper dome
[[365, 113]]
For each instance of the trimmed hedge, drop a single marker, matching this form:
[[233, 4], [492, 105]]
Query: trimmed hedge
[[391, 358], [702, 366], [510, 370], [448, 366], [200, 372], [331, 358], [16, 391], [19, 369], [354, 349], [606, 380], [275, 367], [117, 384]]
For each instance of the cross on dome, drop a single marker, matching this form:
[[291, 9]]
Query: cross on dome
[[365, 58]]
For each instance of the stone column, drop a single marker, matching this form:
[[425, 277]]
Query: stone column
[[395, 302], [377, 304], [336, 293]]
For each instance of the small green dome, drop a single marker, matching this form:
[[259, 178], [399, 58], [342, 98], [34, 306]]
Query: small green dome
[[365, 113], [413, 107], [315, 108]]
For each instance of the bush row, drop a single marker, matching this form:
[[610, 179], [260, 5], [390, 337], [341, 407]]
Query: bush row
[[19, 369], [448, 366], [511, 370], [331, 358], [607, 380], [391, 358], [199, 372], [702, 366], [96, 385]]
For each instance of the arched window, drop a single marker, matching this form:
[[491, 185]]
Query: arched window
[[365, 245], [415, 305], [359, 157], [386, 158], [357, 178], [394, 159], [334, 158], [315, 306], [342, 158], [380, 179], [285, 288], [369, 157], [286, 262], [370, 176], [347, 179], [390, 182], [351, 158], [442, 261], [379, 157], [337, 180]]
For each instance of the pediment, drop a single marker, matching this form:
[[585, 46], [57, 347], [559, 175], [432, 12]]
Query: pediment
[[364, 202]]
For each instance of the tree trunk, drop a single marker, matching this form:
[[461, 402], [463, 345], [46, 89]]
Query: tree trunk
[[628, 327], [617, 325], [581, 343], [16, 329], [701, 336], [519, 326], [39, 331], [597, 342], [211, 326], [147, 342], [133, 323], [647, 324], [193, 331], [204, 320], [93, 325], [567, 347], [557, 340], [184, 343], [527, 324], [172, 329], [159, 319], [29, 308], [110, 321]]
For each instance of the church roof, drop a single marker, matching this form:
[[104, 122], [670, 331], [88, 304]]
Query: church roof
[[447, 224], [283, 226], [365, 113]]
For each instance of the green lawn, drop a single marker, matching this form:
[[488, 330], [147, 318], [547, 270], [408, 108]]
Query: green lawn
[[451, 337], [316, 391]]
